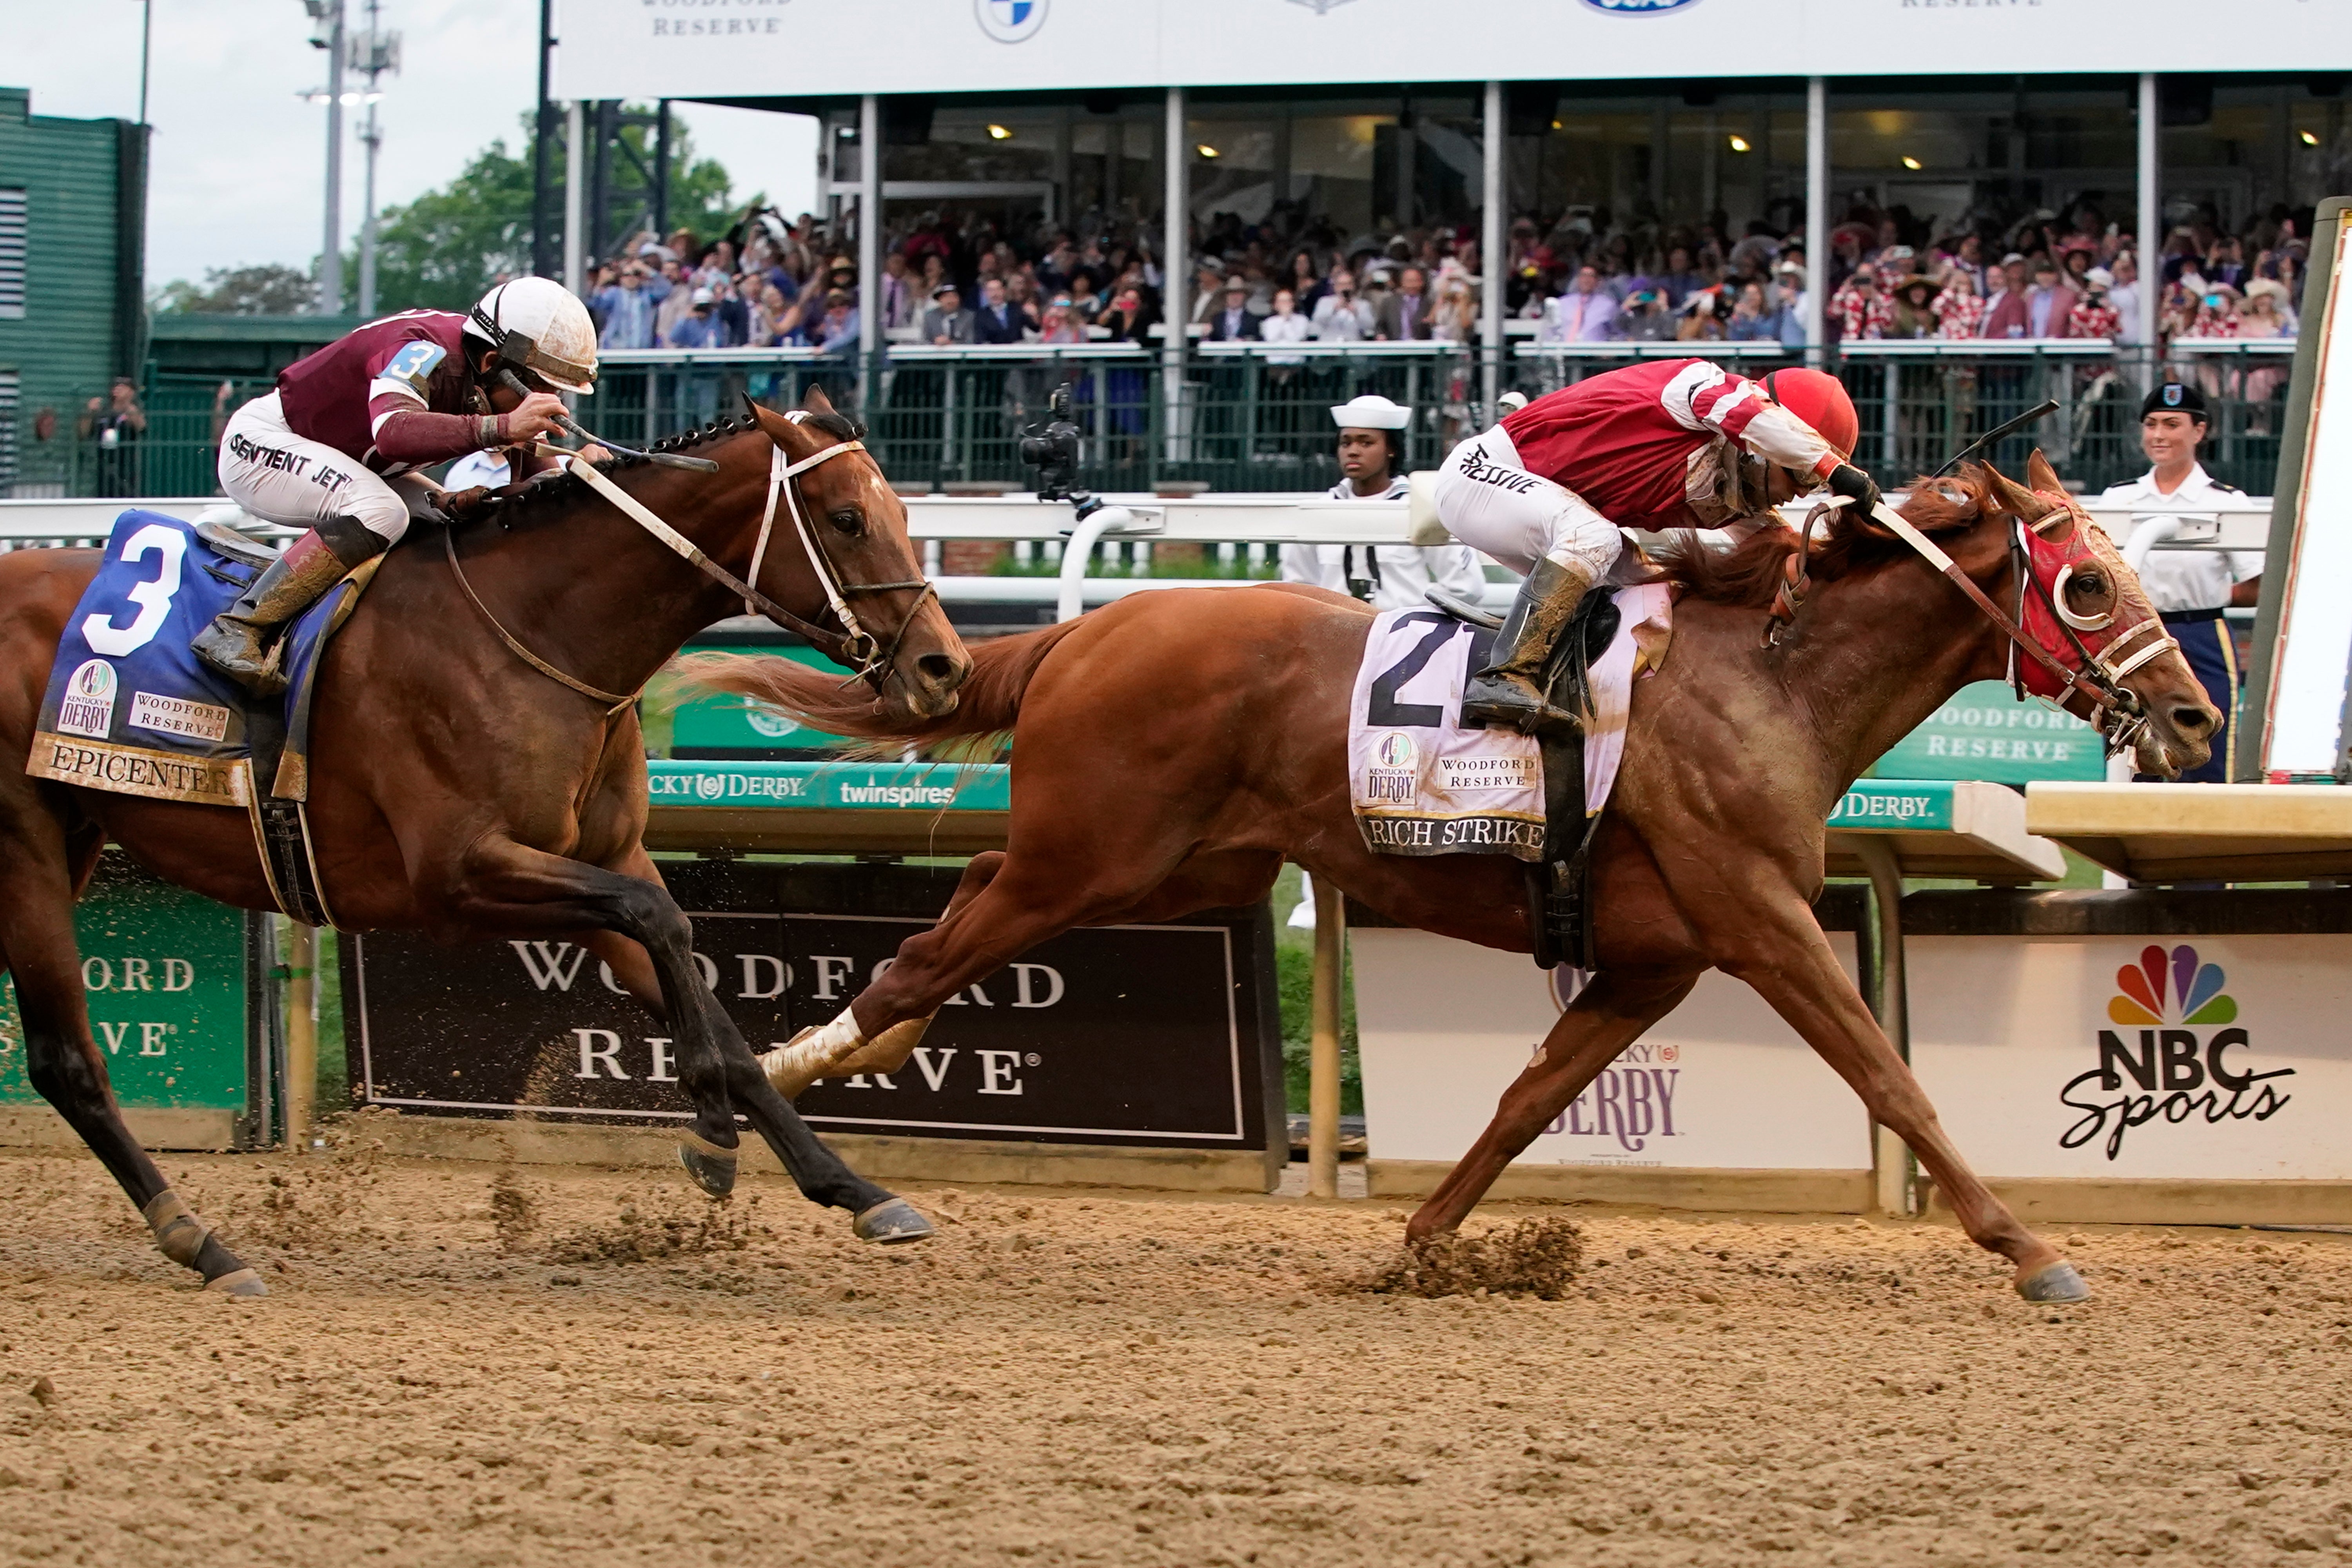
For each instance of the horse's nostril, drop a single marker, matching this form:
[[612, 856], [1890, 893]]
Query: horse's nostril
[[941, 667], [2192, 721]]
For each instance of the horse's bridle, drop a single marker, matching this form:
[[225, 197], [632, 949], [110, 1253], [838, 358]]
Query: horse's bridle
[[853, 646], [2118, 712]]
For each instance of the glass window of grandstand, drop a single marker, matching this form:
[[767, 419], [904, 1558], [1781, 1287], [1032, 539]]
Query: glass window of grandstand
[[1358, 215], [1041, 216], [1934, 187], [1649, 213], [2245, 161]]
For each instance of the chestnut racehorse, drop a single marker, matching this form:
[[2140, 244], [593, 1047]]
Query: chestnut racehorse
[[456, 789], [1173, 748]]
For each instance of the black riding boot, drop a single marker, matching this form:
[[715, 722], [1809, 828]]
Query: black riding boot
[[1508, 693], [238, 642]]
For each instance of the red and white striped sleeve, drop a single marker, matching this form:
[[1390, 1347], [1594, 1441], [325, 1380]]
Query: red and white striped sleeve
[[1704, 397]]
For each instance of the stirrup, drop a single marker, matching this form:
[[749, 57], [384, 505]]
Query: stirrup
[[1499, 702], [253, 666]]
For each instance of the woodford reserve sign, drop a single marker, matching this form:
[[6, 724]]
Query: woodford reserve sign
[[1161, 1035]]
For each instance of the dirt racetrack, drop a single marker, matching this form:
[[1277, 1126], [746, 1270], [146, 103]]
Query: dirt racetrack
[[583, 1367]]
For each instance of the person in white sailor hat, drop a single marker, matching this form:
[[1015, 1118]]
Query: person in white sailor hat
[[1371, 452]]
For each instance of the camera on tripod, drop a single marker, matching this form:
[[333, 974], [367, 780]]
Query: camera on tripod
[[1053, 450]]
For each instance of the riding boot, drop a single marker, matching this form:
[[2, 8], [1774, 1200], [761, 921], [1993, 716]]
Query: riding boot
[[238, 642], [1509, 692]]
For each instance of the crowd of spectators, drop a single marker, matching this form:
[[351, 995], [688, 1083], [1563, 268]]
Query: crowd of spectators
[[960, 278]]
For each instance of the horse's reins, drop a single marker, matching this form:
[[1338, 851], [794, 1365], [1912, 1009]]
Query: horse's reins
[[856, 646], [2121, 715]]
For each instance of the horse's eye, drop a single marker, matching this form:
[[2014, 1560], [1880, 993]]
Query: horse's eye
[[849, 521], [2089, 584]]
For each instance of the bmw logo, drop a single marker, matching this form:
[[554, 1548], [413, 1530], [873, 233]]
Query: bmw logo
[[1009, 21], [1638, 7]]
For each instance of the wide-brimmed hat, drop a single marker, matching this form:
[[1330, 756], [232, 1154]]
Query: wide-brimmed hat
[[1916, 280], [2269, 288]]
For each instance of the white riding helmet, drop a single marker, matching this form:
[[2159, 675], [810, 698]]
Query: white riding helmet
[[537, 325]]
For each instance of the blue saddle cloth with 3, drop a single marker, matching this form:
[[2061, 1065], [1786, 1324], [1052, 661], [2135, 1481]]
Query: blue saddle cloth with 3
[[131, 709]]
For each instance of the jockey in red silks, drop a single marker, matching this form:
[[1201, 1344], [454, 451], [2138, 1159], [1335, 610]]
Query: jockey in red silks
[[1664, 443], [335, 448]]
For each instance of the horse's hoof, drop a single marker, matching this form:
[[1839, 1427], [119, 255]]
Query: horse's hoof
[[2053, 1282], [238, 1282], [892, 1221], [712, 1168]]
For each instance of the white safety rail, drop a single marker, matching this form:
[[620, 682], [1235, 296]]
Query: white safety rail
[[1262, 519]]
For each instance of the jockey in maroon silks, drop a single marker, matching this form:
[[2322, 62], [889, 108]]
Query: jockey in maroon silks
[[1664, 443], [335, 450]]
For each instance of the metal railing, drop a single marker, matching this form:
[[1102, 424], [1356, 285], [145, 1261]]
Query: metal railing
[[1252, 416]]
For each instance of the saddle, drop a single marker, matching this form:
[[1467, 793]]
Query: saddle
[[1560, 905], [129, 709]]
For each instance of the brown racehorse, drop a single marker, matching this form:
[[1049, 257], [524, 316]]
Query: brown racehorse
[[1175, 748], [456, 789]]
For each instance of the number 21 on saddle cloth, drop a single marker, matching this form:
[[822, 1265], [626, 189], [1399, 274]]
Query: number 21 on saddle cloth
[[129, 709], [1423, 785]]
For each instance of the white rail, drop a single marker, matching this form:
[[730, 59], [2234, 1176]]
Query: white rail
[[1274, 519]]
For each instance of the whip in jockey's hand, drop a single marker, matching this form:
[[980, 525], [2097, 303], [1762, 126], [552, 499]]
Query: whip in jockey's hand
[[1661, 444], [337, 448]]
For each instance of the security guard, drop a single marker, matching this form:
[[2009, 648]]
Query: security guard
[[2190, 587]]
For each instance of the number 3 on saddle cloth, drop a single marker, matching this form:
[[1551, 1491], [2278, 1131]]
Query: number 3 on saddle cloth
[[1423, 785], [129, 709]]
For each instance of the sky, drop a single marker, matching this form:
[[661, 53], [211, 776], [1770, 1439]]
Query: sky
[[239, 171]]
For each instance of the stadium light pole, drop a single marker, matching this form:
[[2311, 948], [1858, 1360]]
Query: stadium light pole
[[328, 35], [377, 53]]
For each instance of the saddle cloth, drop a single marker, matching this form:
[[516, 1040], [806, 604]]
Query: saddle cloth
[[1423, 785], [131, 709]]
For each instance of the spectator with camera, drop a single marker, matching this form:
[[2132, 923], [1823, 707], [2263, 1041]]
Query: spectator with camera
[[628, 295], [1339, 316]]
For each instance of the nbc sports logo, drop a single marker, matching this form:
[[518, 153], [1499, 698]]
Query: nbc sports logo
[[2169, 1060], [1009, 21]]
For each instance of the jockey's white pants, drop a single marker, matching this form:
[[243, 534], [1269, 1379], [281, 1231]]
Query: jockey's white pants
[[282, 478], [1490, 502]]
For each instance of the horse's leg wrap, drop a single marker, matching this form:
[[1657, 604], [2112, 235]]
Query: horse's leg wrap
[[889, 1051], [811, 1053], [189, 1242], [179, 1233]]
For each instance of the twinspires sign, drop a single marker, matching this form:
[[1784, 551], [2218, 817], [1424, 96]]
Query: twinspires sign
[[1161, 1035]]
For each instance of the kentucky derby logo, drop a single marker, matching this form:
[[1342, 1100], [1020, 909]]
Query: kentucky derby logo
[[87, 706], [2175, 1073], [1638, 7], [1393, 775], [1009, 21]]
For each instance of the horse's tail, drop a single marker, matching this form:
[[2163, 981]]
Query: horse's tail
[[987, 703]]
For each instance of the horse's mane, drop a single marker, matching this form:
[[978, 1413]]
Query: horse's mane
[[1749, 574], [532, 500]]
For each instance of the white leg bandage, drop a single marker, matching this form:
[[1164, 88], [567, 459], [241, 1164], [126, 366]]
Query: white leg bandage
[[811, 1053], [1488, 501]]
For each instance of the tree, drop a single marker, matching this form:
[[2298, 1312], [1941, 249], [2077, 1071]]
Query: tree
[[265, 290], [443, 250]]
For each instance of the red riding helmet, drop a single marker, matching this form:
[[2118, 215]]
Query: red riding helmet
[[1819, 400]]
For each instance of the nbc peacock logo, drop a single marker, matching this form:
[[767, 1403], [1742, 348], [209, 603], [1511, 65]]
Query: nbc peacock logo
[[2171, 987], [2169, 1060]]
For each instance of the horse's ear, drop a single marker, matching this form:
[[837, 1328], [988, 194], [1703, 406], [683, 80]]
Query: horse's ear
[[816, 402], [2041, 476], [772, 425], [2013, 498]]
